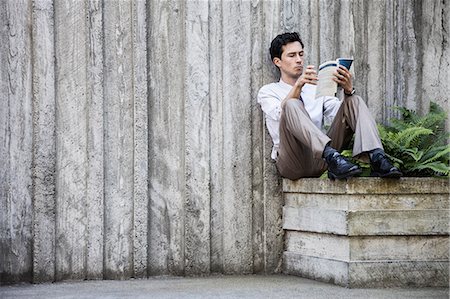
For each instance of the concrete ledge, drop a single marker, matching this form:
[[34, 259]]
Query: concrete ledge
[[368, 201], [368, 186]]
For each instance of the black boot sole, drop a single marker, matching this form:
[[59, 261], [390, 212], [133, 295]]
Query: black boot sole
[[391, 174], [346, 175]]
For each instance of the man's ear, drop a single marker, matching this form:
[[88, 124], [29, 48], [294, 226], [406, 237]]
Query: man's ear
[[277, 61]]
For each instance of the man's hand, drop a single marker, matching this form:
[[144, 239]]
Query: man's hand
[[309, 76], [343, 77]]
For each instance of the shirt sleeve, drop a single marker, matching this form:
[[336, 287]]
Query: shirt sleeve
[[270, 103]]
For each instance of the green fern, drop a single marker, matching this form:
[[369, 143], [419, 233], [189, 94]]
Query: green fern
[[418, 144], [443, 153], [435, 167], [410, 136], [414, 153]]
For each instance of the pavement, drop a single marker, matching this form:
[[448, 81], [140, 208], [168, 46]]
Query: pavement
[[220, 286]]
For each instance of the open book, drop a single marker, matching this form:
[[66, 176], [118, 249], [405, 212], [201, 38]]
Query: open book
[[326, 86]]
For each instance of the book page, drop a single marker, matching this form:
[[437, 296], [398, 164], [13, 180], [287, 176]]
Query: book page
[[326, 86]]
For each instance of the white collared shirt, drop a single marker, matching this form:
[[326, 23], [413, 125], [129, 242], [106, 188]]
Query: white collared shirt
[[321, 110]]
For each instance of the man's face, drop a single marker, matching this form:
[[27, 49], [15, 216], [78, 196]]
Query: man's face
[[291, 62]]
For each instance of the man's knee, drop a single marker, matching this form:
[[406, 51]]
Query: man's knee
[[355, 101], [292, 104], [294, 107]]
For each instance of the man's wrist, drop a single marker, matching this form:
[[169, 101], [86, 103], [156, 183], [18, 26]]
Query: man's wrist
[[350, 93]]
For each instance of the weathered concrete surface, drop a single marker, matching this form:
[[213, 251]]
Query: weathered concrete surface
[[250, 286], [16, 142], [344, 248], [363, 223], [368, 274], [361, 233], [44, 136], [371, 186], [131, 143], [337, 201]]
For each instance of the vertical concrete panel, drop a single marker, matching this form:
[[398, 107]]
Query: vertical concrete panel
[[345, 34], [313, 48], [303, 17], [411, 56], [390, 50], [197, 136], [328, 14], [71, 128], [44, 149], [442, 96], [273, 233], [166, 137], [445, 69], [5, 232], [119, 144], [237, 185], [216, 136], [291, 12], [436, 54], [95, 140], [376, 58], [140, 94], [16, 143], [257, 53], [360, 13], [405, 62], [345, 42]]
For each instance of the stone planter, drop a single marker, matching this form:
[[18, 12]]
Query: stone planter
[[368, 232]]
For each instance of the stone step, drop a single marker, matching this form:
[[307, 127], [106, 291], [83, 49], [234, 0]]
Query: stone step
[[367, 222], [368, 274], [368, 248]]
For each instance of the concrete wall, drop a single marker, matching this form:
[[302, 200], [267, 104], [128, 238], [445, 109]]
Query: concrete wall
[[131, 143]]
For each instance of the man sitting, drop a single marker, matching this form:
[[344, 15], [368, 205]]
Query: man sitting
[[294, 118]]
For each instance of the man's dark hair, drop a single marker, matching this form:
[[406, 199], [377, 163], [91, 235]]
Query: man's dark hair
[[282, 40]]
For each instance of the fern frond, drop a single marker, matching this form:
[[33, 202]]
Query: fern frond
[[431, 151], [415, 153], [432, 121], [436, 167], [410, 135], [439, 154]]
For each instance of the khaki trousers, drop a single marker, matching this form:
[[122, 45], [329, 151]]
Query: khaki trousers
[[302, 143]]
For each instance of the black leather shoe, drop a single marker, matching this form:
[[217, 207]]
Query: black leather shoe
[[340, 168], [382, 167]]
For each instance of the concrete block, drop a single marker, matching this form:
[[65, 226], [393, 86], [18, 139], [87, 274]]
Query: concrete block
[[368, 248], [368, 274], [326, 270], [381, 222]]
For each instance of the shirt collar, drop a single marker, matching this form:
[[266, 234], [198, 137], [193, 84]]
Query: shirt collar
[[285, 84]]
